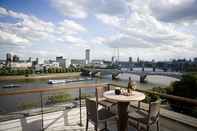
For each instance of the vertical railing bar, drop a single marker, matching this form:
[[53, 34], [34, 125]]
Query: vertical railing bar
[[80, 115], [41, 105], [108, 87], [96, 94]]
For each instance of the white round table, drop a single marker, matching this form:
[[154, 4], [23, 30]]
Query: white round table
[[123, 102]]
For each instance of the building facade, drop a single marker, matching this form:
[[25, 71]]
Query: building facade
[[78, 62], [87, 56], [61, 61]]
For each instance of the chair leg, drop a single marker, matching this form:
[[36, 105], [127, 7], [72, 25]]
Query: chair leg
[[147, 127], [158, 126], [105, 125], [138, 125], [95, 127], [87, 125]]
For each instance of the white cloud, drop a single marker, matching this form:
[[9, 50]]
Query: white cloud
[[30, 29], [83, 8], [143, 31], [3, 12], [148, 29], [7, 38], [70, 27], [108, 19], [174, 10], [110, 7], [72, 8]]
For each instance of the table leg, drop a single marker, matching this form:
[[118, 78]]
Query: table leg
[[123, 116]]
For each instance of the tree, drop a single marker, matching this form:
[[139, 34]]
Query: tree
[[186, 87]]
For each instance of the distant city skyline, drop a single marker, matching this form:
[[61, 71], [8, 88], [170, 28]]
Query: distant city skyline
[[152, 29]]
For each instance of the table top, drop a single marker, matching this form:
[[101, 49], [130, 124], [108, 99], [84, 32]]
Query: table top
[[136, 96]]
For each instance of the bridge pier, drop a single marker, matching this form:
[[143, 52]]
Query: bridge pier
[[130, 64], [114, 76], [143, 78], [154, 69]]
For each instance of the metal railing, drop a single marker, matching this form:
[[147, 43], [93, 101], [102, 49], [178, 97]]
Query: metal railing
[[81, 86], [40, 91]]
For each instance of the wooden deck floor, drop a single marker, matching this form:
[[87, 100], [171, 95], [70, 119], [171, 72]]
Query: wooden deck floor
[[68, 120]]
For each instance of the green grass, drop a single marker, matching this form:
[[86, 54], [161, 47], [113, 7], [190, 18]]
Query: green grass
[[64, 97], [27, 105]]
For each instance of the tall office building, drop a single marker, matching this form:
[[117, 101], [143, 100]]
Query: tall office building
[[87, 56], [130, 59], [8, 59], [37, 61], [15, 58], [61, 61], [113, 59], [29, 60], [138, 60]]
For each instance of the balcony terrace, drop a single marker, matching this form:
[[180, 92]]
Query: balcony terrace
[[71, 115]]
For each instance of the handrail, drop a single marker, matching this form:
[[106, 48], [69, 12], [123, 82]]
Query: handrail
[[172, 97], [54, 88], [77, 86]]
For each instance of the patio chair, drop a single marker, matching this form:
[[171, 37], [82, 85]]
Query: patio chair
[[148, 118], [97, 116], [101, 100]]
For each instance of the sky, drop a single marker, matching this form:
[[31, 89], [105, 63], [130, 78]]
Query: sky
[[148, 29]]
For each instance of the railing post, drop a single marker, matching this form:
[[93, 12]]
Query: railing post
[[80, 115], [96, 94], [108, 87], [41, 105]]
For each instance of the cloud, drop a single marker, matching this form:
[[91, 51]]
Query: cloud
[[143, 31], [7, 38], [70, 27], [83, 8], [174, 10], [30, 29], [149, 29], [110, 7], [109, 19], [3, 12], [72, 8]]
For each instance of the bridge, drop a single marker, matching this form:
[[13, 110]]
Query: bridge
[[100, 72], [143, 74]]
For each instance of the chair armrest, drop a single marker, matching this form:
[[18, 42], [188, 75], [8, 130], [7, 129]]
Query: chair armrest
[[138, 106]]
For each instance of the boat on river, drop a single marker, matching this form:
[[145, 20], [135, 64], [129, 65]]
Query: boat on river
[[11, 86], [68, 80]]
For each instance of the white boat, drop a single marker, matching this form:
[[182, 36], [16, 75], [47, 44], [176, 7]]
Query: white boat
[[67, 80], [11, 86], [56, 81]]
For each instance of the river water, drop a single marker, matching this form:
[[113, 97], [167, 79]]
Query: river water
[[13, 103]]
